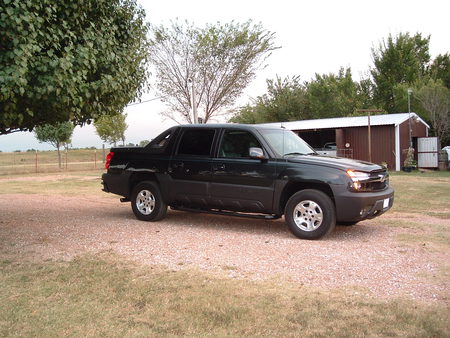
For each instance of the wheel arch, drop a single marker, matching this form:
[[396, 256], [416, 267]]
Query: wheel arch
[[293, 187], [138, 177]]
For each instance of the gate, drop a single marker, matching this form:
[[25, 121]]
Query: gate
[[427, 152]]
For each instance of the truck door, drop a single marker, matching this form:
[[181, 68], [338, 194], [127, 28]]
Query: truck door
[[190, 167], [239, 182]]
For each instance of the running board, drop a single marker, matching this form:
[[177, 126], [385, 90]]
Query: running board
[[227, 213]]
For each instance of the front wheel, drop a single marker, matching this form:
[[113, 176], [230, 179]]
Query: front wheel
[[310, 214], [147, 202]]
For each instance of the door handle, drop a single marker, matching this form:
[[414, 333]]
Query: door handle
[[218, 167], [178, 165]]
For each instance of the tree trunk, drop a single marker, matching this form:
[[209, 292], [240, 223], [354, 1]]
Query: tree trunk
[[59, 155]]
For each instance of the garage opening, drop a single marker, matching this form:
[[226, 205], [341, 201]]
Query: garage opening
[[318, 138]]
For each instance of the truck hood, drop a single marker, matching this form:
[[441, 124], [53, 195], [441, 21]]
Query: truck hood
[[335, 162]]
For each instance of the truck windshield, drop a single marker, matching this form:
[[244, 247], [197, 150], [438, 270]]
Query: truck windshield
[[286, 143]]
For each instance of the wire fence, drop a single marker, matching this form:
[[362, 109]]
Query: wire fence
[[48, 162]]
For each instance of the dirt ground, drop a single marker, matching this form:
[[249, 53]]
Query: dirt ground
[[367, 255]]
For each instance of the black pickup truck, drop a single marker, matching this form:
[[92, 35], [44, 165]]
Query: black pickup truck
[[247, 170]]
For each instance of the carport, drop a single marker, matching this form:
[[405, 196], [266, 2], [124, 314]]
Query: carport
[[390, 136]]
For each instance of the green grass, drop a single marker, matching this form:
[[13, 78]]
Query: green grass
[[105, 295], [69, 184], [425, 194], [419, 196], [47, 161]]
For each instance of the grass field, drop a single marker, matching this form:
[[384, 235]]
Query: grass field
[[47, 161], [107, 295], [104, 295]]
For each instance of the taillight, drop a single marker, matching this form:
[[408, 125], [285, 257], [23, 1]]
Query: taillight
[[108, 159]]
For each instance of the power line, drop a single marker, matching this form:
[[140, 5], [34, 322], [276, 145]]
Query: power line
[[134, 104]]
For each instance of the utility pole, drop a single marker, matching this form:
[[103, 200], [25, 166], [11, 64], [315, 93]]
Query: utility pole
[[369, 136], [194, 105], [369, 131], [409, 117]]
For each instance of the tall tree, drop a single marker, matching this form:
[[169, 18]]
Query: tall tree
[[435, 99], [336, 95], [214, 63], [285, 100], [398, 60], [57, 135], [69, 60], [440, 69], [111, 128]]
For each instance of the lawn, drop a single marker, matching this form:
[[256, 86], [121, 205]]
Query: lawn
[[47, 161], [105, 294]]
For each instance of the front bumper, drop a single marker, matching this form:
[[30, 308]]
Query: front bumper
[[357, 206]]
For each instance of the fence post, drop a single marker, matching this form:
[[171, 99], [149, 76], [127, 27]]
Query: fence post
[[36, 162], [95, 158]]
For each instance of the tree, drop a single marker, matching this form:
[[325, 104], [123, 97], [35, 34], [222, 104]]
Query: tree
[[111, 128], [398, 60], [440, 69], [285, 101], [332, 95], [215, 63], [57, 135], [143, 143], [435, 99], [69, 60]]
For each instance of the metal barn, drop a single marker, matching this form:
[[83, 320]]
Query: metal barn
[[379, 138]]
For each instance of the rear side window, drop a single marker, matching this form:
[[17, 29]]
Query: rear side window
[[161, 140], [196, 142]]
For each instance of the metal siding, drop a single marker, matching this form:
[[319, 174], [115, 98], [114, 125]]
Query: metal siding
[[383, 140], [383, 144], [418, 128], [357, 139], [404, 141], [427, 152]]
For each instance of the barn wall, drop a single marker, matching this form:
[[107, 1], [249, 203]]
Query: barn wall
[[383, 141], [383, 144], [404, 141]]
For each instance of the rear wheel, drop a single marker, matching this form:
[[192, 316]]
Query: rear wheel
[[147, 202], [310, 214]]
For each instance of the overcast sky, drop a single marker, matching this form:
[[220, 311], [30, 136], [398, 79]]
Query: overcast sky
[[316, 36]]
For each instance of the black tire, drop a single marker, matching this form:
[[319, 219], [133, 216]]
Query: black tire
[[147, 202], [346, 224], [310, 214]]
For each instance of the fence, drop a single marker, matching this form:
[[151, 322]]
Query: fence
[[47, 161]]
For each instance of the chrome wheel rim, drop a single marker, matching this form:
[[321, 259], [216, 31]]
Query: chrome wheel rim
[[308, 215], [145, 202]]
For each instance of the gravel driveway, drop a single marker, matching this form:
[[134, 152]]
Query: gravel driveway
[[366, 255]]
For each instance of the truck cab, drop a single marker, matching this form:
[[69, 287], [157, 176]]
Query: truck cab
[[247, 170]]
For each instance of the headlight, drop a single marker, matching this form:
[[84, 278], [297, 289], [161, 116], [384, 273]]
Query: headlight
[[358, 178]]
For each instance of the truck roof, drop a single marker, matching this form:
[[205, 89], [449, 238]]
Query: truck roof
[[229, 125]]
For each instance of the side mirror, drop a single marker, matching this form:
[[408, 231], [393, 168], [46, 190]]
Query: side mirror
[[256, 153]]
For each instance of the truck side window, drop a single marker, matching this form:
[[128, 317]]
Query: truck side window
[[162, 140], [235, 143], [196, 142]]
